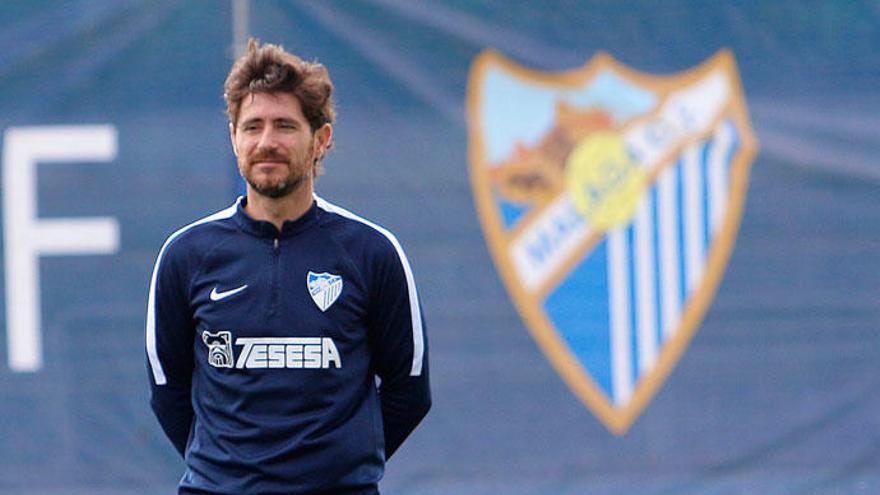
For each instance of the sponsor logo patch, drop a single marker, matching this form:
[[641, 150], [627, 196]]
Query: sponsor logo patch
[[219, 348], [271, 352], [290, 352], [324, 288], [610, 200]]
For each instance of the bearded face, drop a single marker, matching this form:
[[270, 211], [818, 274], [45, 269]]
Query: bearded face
[[275, 146], [273, 173]]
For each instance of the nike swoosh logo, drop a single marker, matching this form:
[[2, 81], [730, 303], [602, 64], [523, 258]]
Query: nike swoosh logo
[[216, 296]]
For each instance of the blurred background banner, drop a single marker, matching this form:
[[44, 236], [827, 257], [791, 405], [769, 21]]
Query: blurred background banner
[[114, 135], [610, 200]]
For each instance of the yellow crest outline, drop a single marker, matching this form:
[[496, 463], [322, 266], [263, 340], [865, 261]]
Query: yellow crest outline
[[617, 419]]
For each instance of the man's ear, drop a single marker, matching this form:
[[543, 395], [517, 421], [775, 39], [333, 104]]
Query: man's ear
[[322, 139], [232, 138]]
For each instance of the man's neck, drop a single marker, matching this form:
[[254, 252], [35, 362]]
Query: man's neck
[[279, 210]]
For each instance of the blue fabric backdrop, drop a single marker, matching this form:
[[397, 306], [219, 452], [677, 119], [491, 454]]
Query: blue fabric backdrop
[[778, 393]]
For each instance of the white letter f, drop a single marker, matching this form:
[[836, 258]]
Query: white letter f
[[26, 237]]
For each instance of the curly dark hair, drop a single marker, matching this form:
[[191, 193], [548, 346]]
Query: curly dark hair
[[269, 68]]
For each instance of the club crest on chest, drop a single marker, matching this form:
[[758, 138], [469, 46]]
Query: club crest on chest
[[324, 288]]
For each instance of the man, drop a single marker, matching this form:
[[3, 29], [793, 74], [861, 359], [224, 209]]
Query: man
[[269, 322]]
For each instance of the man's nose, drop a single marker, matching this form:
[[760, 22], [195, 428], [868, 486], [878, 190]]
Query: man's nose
[[267, 139]]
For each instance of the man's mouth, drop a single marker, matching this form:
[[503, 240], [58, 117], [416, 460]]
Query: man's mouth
[[270, 162]]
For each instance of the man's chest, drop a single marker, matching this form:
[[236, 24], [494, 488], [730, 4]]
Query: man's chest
[[288, 290]]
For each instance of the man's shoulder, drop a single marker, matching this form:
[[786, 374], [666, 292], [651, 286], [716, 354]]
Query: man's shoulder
[[195, 235], [353, 229]]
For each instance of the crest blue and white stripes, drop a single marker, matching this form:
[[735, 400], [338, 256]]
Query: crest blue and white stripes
[[656, 263], [613, 301]]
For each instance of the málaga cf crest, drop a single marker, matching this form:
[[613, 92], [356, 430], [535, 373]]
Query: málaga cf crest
[[610, 200]]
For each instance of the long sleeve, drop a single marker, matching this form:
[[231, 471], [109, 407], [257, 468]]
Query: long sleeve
[[400, 350], [169, 335]]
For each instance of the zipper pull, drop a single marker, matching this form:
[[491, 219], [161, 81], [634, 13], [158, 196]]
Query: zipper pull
[[276, 244]]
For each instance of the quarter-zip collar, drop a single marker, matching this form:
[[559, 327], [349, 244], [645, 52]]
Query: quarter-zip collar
[[266, 229]]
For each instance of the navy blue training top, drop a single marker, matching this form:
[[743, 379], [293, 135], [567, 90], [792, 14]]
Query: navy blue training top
[[263, 349]]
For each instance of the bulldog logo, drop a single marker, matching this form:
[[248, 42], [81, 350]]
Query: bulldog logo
[[610, 201], [219, 348]]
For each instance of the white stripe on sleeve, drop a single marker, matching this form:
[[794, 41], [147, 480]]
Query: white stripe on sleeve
[[415, 311], [152, 351]]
